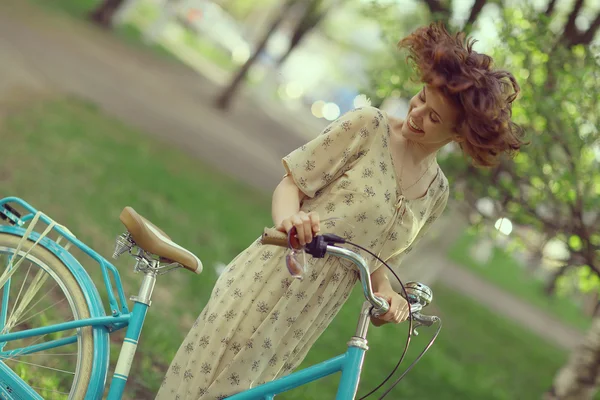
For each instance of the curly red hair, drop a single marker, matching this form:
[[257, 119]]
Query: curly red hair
[[484, 95]]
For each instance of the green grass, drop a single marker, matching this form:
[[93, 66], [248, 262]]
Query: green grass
[[477, 355], [75, 8], [508, 274], [81, 168]]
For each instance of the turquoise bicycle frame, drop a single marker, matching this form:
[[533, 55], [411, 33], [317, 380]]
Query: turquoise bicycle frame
[[13, 387], [349, 364]]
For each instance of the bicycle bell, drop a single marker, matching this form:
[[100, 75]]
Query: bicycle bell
[[418, 293]]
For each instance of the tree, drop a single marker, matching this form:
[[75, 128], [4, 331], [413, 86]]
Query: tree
[[313, 13], [104, 13], [579, 378], [312, 16], [553, 186], [224, 99], [441, 12], [571, 35]]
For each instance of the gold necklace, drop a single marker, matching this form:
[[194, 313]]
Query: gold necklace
[[402, 170]]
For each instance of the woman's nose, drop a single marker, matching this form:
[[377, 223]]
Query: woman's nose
[[418, 112]]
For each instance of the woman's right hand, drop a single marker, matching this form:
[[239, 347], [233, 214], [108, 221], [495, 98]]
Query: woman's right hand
[[307, 226]]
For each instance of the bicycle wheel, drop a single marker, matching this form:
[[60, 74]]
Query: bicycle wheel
[[41, 292]]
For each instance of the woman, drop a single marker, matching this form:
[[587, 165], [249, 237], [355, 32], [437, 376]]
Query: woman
[[379, 179]]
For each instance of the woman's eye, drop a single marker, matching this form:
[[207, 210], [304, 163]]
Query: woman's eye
[[433, 118]]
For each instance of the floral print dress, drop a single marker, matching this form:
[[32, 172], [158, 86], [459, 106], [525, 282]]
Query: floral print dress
[[259, 323]]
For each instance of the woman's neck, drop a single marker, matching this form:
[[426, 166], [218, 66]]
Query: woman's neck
[[417, 153]]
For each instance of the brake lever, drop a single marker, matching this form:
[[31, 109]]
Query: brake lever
[[415, 307]]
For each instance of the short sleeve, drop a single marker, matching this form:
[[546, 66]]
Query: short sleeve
[[325, 158]]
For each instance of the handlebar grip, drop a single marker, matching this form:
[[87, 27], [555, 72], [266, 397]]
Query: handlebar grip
[[274, 237]]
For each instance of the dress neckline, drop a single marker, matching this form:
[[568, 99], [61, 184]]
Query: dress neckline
[[396, 178]]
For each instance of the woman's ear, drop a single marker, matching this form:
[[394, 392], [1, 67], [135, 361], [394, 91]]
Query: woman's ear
[[458, 138]]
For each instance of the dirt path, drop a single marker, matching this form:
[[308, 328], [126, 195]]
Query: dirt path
[[157, 95], [49, 53]]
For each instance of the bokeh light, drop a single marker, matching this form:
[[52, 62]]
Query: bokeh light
[[331, 111], [317, 108], [504, 226], [294, 90]]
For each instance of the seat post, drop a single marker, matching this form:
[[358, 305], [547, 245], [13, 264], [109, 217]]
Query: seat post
[[145, 294], [132, 336], [360, 337]]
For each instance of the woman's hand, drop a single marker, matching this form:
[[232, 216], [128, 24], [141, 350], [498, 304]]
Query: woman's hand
[[307, 226], [398, 311]]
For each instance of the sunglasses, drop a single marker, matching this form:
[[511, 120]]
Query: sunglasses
[[295, 259]]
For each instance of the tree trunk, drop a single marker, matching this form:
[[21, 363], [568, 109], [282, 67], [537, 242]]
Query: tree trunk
[[475, 11], [310, 19], [224, 99], [551, 285], [105, 12], [297, 37], [439, 11], [285, 55], [579, 378]]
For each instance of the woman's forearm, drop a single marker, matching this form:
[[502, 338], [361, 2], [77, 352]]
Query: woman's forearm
[[286, 200], [381, 284], [380, 280]]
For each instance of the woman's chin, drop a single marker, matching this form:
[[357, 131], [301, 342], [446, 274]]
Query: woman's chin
[[408, 133]]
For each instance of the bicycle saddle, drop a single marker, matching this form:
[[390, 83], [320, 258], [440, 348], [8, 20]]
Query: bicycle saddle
[[150, 238]]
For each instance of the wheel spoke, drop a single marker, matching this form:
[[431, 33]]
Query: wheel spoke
[[41, 354], [56, 364], [9, 271], [49, 390], [37, 302], [38, 282], [10, 317], [32, 343], [41, 366], [39, 312], [37, 348]]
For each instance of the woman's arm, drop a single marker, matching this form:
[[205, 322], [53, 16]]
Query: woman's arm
[[381, 284], [285, 210], [287, 198], [380, 281]]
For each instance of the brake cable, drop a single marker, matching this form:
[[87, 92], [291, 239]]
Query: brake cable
[[335, 239]]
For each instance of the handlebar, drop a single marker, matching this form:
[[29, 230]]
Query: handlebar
[[419, 295]]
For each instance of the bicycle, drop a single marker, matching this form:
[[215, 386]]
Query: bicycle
[[87, 330]]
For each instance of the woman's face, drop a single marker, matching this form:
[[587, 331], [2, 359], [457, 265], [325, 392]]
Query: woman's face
[[431, 118]]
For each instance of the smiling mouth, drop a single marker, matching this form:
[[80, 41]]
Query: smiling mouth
[[413, 127]]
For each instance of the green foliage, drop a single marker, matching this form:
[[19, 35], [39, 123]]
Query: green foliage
[[553, 185], [390, 74], [241, 9]]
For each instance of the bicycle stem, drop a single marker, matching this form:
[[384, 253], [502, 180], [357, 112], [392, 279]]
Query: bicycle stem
[[380, 305]]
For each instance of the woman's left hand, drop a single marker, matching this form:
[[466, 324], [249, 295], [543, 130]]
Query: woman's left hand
[[398, 311]]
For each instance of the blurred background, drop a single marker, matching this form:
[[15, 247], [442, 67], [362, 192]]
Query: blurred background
[[183, 110]]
